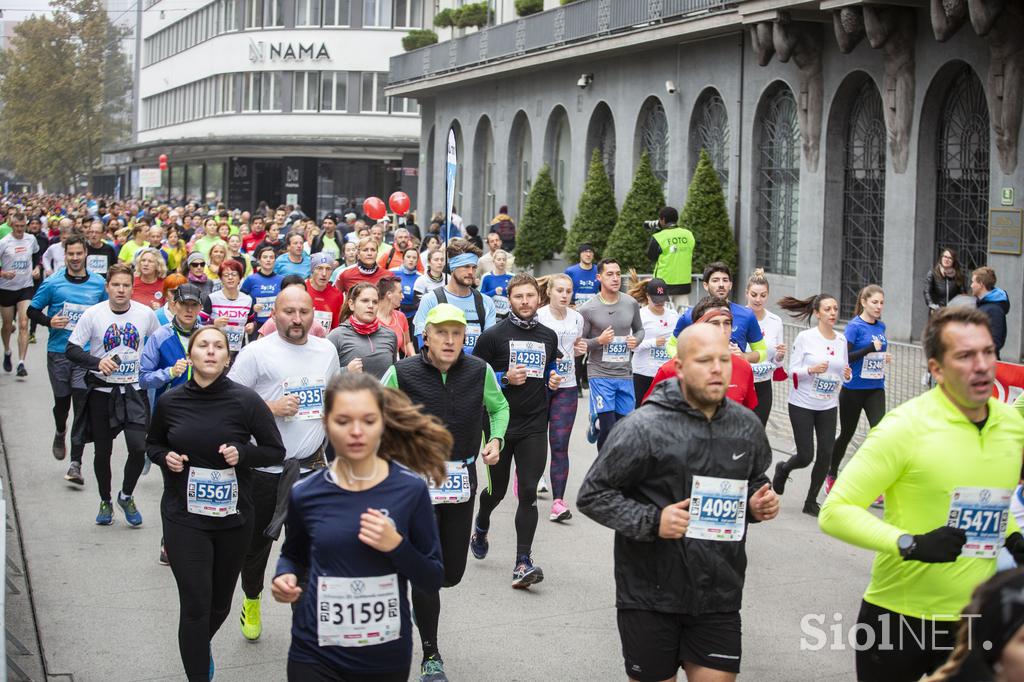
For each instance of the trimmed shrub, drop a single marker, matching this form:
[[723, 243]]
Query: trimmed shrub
[[541, 232], [525, 8], [628, 241], [417, 38], [596, 213], [706, 216]]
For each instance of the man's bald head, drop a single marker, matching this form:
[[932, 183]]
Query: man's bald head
[[293, 314], [703, 365], [699, 336]]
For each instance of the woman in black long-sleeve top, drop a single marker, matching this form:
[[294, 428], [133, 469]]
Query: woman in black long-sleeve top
[[200, 436]]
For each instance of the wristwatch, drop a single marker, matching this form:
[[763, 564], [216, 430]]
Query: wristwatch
[[505, 383], [906, 544]]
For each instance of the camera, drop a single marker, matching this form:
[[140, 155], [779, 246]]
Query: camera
[[652, 225]]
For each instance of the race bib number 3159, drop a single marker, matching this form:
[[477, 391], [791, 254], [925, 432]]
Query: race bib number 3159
[[355, 612]]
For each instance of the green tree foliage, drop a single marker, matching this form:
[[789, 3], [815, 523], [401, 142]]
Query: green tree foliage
[[596, 213], [417, 38], [706, 216], [525, 8], [628, 241], [541, 232], [65, 89]]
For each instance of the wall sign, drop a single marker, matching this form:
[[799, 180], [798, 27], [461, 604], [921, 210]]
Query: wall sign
[[260, 51], [1006, 197], [1005, 230]]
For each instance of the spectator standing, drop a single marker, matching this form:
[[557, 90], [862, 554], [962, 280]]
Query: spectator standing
[[992, 301], [944, 282]]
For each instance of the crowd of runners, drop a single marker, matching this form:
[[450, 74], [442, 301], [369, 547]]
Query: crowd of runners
[[334, 382]]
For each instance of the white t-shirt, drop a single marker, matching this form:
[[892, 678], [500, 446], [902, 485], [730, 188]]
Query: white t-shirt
[[771, 330], [648, 356], [53, 259], [817, 391], [107, 334], [270, 366], [16, 257], [568, 330], [237, 312]]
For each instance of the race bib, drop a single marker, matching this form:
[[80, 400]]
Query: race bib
[[265, 304], [659, 354], [217, 286], [127, 371], [455, 488], [983, 514], [826, 386], [310, 392], [73, 311], [583, 298], [212, 492], [565, 367], [501, 304], [472, 334], [763, 371], [20, 264], [873, 366], [355, 612], [96, 263], [718, 509], [324, 318], [617, 350], [236, 336], [530, 354]]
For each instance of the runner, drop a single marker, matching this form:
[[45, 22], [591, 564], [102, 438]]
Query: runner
[[433, 278], [290, 370], [818, 365], [229, 309], [207, 436], [59, 304], [101, 254], [523, 353], [362, 342], [174, 250], [150, 269], [216, 257], [771, 329], [585, 284], [568, 326], [269, 327], [366, 269], [495, 284], [17, 251], [295, 261], [256, 235], [327, 300], [868, 351], [114, 331], [394, 256], [658, 321], [947, 462], [479, 309], [195, 270], [442, 381], [407, 275], [389, 298], [327, 241], [263, 284], [612, 328], [486, 264], [680, 505]]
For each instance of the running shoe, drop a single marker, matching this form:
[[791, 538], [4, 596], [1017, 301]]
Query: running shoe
[[59, 449], [829, 482], [252, 626], [526, 574], [105, 517], [812, 508], [163, 560], [478, 543], [432, 670], [7, 362], [211, 668], [592, 429], [879, 503], [22, 372], [779, 479], [131, 513], [31, 338], [74, 474], [542, 486], [559, 511]]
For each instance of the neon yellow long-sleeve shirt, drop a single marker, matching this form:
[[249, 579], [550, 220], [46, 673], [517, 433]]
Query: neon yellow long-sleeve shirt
[[917, 456]]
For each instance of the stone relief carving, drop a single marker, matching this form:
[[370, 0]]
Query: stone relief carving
[[761, 40], [893, 30], [803, 43], [1005, 87], [947, 17], [848, 24]]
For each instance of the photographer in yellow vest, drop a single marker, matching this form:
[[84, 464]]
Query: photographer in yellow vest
[[671, 248]]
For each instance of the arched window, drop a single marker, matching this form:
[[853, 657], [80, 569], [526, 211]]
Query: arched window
[[601, 136], [483, 173], [558, 146], [711, 132], [778, 184], [962, 182], [863, 196], [652, 136], [520, 169]]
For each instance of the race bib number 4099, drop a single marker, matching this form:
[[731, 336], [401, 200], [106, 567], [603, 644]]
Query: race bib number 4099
[[718, 509]]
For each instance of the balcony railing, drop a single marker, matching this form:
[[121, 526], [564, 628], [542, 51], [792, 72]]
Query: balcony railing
[[575, 22]]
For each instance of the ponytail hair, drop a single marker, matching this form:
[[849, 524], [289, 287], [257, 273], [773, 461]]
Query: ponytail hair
[[637, 288], [866, 293], [411, 437], [803, 308], [757, 278]]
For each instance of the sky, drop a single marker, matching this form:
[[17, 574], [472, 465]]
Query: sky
[[22, 9]]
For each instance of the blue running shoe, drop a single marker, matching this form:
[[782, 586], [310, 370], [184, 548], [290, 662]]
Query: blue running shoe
[[106, 515], [526, 574], [211, 667], [592, 429], [432, 670], [478, 543], [131, 514]]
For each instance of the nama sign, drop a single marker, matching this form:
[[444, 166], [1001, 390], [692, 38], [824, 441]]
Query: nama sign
[[260, 51]]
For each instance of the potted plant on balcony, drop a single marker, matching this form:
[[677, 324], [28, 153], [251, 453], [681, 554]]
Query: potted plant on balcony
[[445, 18], [525, 8], [473, 15], [628, 241], [596, 213], [541, 232], [417, 38]]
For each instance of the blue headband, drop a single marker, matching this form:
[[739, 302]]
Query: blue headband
[[462, 259]]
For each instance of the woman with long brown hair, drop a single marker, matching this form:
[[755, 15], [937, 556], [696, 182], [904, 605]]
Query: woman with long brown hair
[[363, 529], [945, 281], [363, 343]]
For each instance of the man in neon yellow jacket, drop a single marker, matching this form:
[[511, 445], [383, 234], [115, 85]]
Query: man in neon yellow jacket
[[947, 462]]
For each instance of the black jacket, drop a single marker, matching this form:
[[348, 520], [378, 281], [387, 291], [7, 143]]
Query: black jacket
[[996, 305], [939, 292], [648, 463]]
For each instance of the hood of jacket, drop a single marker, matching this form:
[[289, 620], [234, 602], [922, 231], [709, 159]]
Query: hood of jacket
[[996, 297]]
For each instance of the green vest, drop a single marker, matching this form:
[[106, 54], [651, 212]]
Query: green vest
[[676, 260]]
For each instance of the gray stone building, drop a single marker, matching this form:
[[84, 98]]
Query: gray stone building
[[854, 139]]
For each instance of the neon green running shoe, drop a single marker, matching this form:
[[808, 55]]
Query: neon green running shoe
[[250, 620]]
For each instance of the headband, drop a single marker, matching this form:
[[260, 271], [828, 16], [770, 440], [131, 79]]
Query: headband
[[714, 312], [463, 259]]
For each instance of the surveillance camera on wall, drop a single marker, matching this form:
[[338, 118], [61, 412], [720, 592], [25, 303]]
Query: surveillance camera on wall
[[585, 80], [670, 87]]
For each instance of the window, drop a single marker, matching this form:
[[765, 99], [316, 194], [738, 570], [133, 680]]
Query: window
[[408, 14], [778, 185], [333, 90], [270, 91], [711, 133], [273, 13], [377, 13], [305, 90], [653, 136], [253, 13], [404, 105], [250, 92], [373, 100], [227, 94], [336, 12], [307, 12], [228, 8]]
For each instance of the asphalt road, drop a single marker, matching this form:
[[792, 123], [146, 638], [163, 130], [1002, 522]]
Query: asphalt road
[[107, 610]]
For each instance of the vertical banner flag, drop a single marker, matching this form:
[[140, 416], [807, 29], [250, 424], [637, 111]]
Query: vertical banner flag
[[450, 170]]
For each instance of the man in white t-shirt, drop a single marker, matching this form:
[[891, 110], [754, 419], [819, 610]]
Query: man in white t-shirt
[[290, 370], [17, 251]]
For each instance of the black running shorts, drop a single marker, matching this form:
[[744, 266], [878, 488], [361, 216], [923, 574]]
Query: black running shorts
[[10, 298], [655, 645]]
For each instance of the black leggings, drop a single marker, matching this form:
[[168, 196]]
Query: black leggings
[[530, 453], [763, 389], [61, 410], [851, 402], [315, 672], [206, 564], [640, 385], [454, 524], [581, 370], [103, 439], [896, 654], [257, 553], [808, 424]]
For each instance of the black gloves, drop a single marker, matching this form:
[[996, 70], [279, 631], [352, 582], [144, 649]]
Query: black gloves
[[1015, 546], [938, 546]]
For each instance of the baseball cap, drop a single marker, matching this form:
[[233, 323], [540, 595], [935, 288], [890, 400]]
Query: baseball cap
[[584, 247], [657, 290], [188, 292], [445, 312]]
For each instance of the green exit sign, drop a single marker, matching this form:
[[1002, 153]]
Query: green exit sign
[[1007, 196]]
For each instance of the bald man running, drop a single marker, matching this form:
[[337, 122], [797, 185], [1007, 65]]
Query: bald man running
[[290, 370], [679, 480]]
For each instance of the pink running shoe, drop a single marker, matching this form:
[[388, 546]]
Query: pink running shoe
[[879, 503], [829, 482], [560, 512]]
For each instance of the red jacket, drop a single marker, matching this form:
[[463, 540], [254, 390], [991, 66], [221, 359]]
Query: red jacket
[[741, 386], [327, 301], [349, 278]]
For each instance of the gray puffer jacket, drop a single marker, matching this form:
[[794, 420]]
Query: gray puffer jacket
[[648, 463]]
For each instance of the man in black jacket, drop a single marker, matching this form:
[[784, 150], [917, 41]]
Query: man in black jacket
[[676, 481]]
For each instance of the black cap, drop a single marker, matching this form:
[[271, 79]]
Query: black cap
[[584, 247], [188, 292], [657, 290]]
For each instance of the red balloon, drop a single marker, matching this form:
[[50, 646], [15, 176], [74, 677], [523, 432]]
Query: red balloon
[[163, 158], [375, 208], [399, 202]]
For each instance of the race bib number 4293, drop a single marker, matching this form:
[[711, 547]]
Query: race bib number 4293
[[530, 354]]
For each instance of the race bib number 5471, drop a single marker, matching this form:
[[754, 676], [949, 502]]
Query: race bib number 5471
[[983, 514]]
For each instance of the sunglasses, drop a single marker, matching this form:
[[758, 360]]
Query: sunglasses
[[197, 265]]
